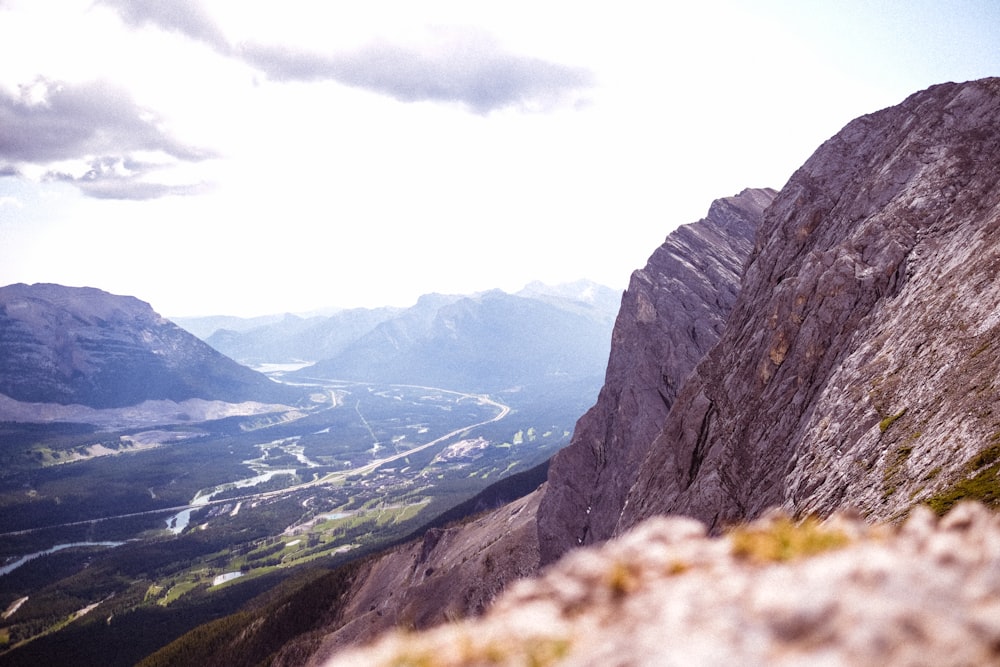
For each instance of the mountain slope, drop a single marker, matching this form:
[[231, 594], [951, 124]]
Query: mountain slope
[[450, 573], [859, 365], [843, 593], [673, 312], [82, 345]]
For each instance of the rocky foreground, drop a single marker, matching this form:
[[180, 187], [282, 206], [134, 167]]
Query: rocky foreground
[[774, 592]]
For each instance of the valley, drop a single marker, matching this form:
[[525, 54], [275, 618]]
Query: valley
[[182, 522]]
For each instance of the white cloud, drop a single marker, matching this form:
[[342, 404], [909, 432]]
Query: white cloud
[[88, 135], [391, 161], [463, 66]]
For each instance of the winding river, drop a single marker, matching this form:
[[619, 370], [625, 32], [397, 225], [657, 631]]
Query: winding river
[[178, 522]]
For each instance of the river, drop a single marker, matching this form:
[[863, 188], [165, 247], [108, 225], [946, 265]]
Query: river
[[10, 567], [178, 522]]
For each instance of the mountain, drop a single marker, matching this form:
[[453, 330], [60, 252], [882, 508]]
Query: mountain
[[487, 342], [580, 296], [203, 327], [292, 338], [672, 313], [859, 364], [84, 346]]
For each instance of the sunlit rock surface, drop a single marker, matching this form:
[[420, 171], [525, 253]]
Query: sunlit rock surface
[[774, 593], [859, 364]]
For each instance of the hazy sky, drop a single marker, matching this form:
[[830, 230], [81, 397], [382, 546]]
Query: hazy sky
[[235, 157]]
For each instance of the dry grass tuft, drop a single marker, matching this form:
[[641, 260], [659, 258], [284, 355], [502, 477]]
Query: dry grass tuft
[[783, 539]]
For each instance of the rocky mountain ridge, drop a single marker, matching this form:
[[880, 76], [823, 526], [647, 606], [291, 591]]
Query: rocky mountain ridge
[[672, 313], [69, 345], [859, 364]]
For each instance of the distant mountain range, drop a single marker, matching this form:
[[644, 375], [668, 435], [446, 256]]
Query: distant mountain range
[[492, 341], [296, 338], [83, 346], [481, 342]]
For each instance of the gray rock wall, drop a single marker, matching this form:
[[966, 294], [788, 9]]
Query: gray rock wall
[[672, 313], [858, 366]]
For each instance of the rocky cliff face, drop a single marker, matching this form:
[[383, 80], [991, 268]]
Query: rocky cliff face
[[859, 364], [858, 368], [672, 313], [82, 345]]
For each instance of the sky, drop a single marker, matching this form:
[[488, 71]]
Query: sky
[[243, 157]]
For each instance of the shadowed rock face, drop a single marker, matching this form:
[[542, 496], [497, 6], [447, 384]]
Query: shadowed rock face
[[82, 345], [858, 366], [672, 313]]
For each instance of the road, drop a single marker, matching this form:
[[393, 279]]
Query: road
[[503, 411]]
